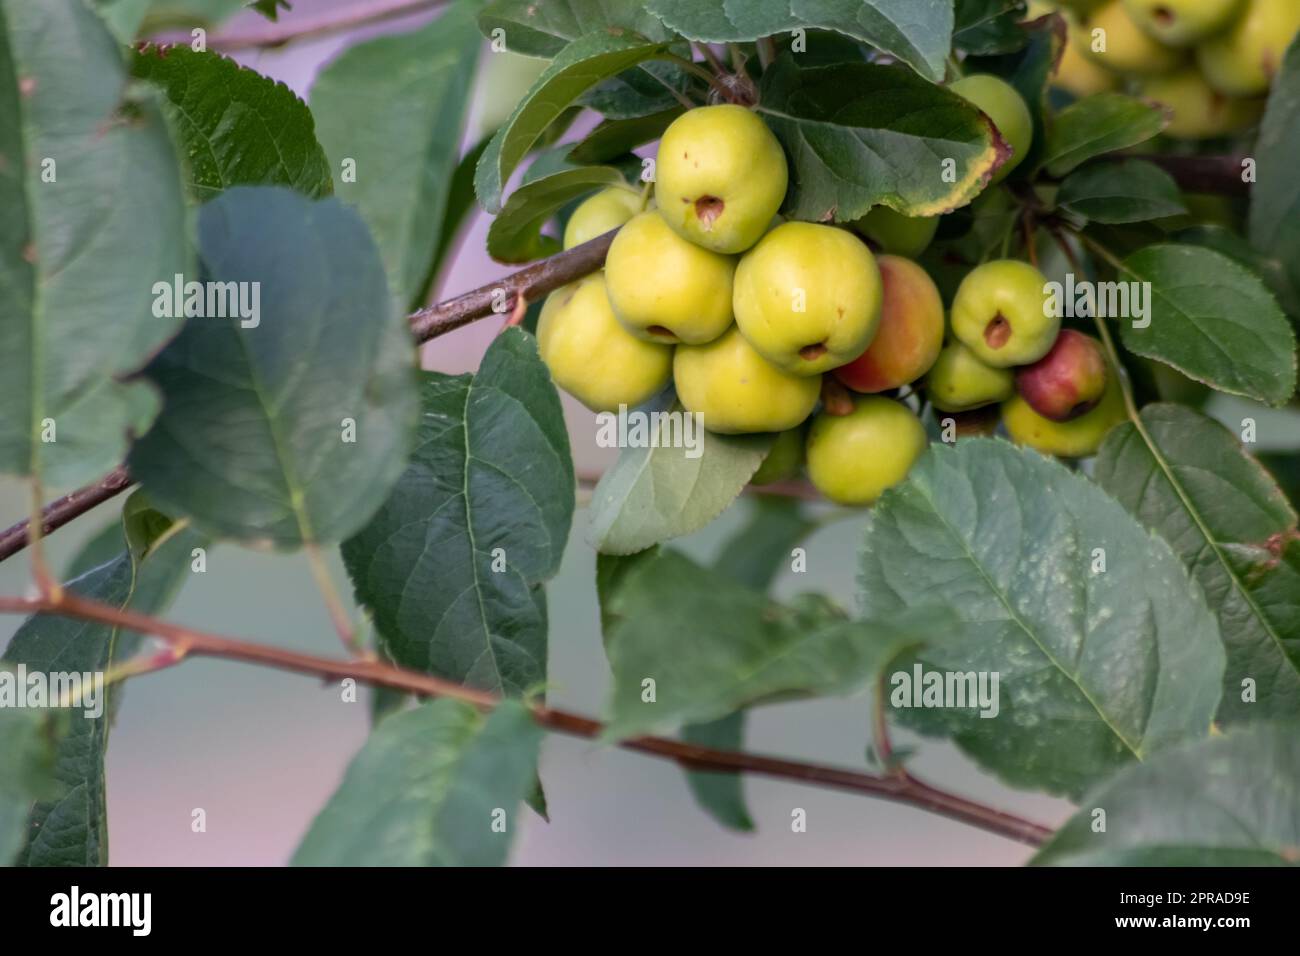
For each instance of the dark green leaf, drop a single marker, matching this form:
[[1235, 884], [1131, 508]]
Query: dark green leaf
[[1214, 321], [269, 8], [237, 127], [1224, 240], [460, 200], [516, 233], [395, 106], [94, 215], [152, 560], [1096, 667], [1275, 196], [293, 429], [1225, 802], [1185, 477], [1128, 191], [918, 32], [1097, 125], [859, 134], [614, 138], [452, 566], [987, 27], [427, 789], [722, 795], [579, 66], [652, 494], [544, 29], [28, 742], [1030, 72], [712, 646]]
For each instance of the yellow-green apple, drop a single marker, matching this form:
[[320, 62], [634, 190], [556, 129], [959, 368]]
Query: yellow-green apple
[[1109, 37], [1077, 438], [853, 458], [598, 214], [1006, 108], [1003, 313], [959, 382], [783, 460], [1197, 110], [1244, 58], [893, 233], [1182, 22], [808, 297]]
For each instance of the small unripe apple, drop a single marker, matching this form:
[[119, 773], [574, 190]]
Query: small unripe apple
[[1198, 110], [853, 458], [960, 382], [1182, 22], [893, 233], [666, 289], [1126, 48], [1243, 60], [783, 460], [1077, 438], [1006, 107], [720, 177], [1002, 312], [739, 391], [910, 333], [808, 297], [1066, 382], [598, 214], [591, 356], [1080, 75]]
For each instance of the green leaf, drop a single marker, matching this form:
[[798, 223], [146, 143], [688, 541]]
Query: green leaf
[[396, 107], [989, 27], [545, 29], [1128, 191], [460, 200], [859, 134], [269, 8], [28, 741], [579, 66], [652, 494], [751, 557], [452, 566], [1097, 125], [1031, 75], [713, 646], [1185, 477], [426, 788], [122, 17], [615, 138], [1096, 667], [1224, 240], [1214, 321], [721, 795], [237, 127], [918, 32], [1274, 222], [154, 557], [292, 429], [79, 252], [1225, 802], [516, 233]]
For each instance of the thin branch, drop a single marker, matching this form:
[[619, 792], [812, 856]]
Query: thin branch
[[62, 510], [1216, 175], [293, 26], [334, 606], [711, 58], [187, 642]]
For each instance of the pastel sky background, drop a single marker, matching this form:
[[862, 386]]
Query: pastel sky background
[[260, 751]]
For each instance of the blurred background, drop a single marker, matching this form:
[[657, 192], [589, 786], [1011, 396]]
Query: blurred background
[[260, 751]]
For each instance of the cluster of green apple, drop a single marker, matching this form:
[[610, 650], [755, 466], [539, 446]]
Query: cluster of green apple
[[751, 317], [1210, 62]]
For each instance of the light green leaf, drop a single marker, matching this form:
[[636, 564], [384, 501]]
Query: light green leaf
[[1106, 652], [1128, 191], [154, 557], [452, 566], [1225, 802], [578, 67], [237, 127], [516, 233], [1213, 320], [94, 215], [859, 134], [396, 107], [1186, 477], [424, 789], [1275, 195], [713, 646], [918, 32], [652, 494], [1097, 125], [291, 426]]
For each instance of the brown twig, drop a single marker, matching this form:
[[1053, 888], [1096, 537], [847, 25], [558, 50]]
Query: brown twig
[[59, 512], [191, 643], [294, 26], [1216, 175]]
